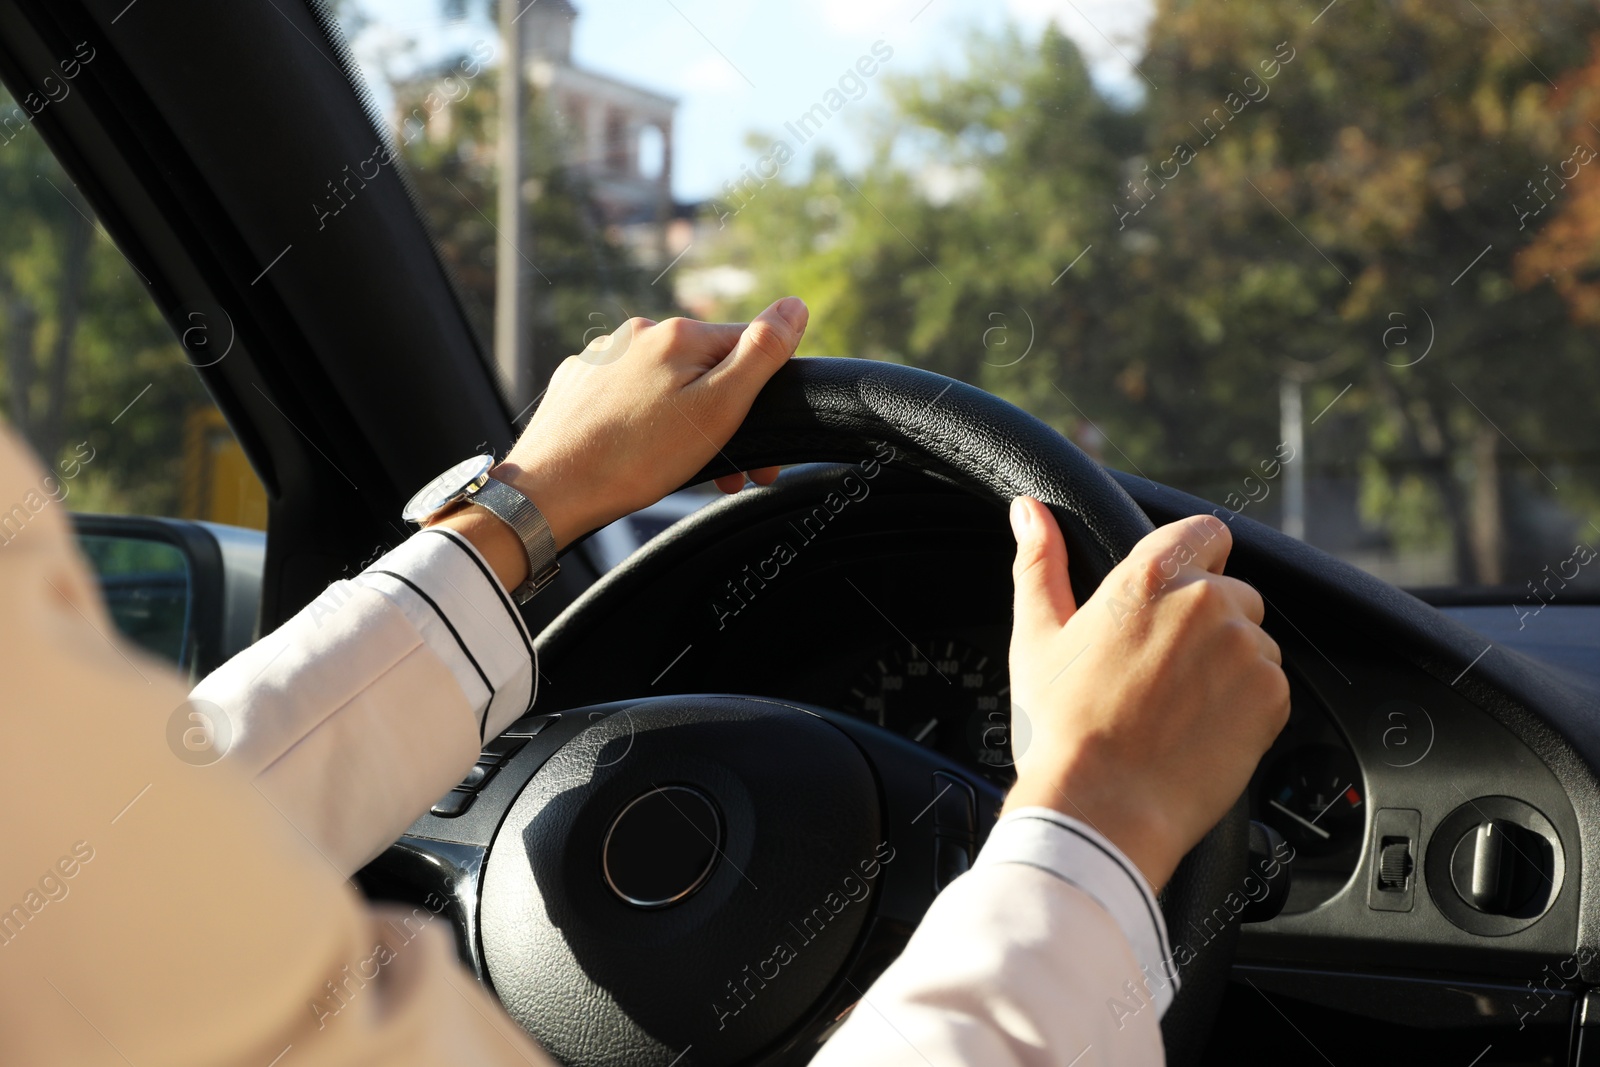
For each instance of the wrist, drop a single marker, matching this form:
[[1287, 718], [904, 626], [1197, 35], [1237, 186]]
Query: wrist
[[496, 542], [1136, 835], [565, 520]]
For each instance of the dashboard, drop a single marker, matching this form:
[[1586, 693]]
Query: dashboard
[[1433, 847]]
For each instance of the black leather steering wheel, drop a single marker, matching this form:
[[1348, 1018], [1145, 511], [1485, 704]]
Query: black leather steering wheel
[[819, 409], [718, 878]]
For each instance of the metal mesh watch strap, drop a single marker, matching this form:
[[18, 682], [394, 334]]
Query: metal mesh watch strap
[[518, 512]]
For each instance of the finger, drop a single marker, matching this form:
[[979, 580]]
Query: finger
[[730, 483], [1269, 648], [764, 475], [763, 346], [1043, 593], [715, 340], [1200, 541], [1244, 596]]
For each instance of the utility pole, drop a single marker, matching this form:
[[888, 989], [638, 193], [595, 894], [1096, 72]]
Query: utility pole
[[1290, 425], [513, 340]]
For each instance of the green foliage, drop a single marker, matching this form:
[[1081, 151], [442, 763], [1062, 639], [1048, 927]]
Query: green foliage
[[581, 278], [1284, 196], [81, 340], [1288, 200]]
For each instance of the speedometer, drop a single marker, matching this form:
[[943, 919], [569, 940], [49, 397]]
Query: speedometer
[[942, 693]]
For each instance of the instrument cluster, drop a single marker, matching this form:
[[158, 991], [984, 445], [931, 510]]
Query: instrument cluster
[[948, 694], [953, 694]]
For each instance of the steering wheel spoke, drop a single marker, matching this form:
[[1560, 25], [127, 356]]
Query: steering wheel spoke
[[724, 872]]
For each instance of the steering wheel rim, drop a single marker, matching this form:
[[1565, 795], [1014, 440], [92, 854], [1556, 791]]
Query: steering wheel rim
[[831, 408], [821, 409]]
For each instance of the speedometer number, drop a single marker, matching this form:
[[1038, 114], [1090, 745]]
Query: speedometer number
[[941, 694]]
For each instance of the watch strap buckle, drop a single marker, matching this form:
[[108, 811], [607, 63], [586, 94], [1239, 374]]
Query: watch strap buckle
[[536, 583]]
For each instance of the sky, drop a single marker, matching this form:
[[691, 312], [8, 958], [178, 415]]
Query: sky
[[746, 66]]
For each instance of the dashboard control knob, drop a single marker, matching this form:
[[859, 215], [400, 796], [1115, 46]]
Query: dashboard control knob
[[1491, 877], [1496, 867], [1394, 865]]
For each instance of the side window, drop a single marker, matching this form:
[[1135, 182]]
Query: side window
[[91, 375]]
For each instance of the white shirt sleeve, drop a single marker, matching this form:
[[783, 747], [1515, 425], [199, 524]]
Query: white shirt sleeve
[[1080, 855], [447, 591], [365, 708], [1050, 951], [373, 700], [1011, 967]]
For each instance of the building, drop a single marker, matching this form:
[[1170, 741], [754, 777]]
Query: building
[[617, 135]]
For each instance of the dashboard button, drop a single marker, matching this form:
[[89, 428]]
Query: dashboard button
[[529, 725], [505, 746], [477, 776], [953, 804], [452, 804]]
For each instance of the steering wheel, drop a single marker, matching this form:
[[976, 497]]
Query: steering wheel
[[719, 878]]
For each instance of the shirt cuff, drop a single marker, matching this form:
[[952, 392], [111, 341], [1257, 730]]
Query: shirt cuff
[[447, 591], [1082, 856]]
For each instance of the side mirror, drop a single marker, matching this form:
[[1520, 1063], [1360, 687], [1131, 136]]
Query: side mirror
[[185, 591]]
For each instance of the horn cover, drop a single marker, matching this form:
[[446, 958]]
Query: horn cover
[[728, 967]]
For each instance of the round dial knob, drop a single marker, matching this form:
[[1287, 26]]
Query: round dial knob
[[1499, 866], [1495, 865]]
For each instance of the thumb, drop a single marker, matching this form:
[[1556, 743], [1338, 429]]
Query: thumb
[[765, 345], [1044, 598]]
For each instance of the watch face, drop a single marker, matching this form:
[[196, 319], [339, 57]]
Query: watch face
[[467, 474]]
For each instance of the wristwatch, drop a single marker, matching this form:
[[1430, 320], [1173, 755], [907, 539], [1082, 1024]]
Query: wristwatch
[[469, 482]]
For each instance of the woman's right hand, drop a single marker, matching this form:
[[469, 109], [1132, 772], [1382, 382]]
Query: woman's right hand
[[1145, 711]]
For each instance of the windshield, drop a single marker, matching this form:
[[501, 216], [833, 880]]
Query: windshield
[[1332, 266]]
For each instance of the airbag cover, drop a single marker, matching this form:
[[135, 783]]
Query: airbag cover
[[728, 969]]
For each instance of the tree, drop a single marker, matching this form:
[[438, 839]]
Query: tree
[[1292, 200], [1397, 139], [1565, 253], [587, 282], [82, 341]]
